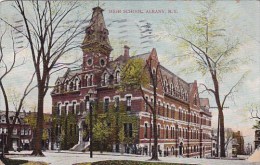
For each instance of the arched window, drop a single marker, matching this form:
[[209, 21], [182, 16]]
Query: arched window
[[86, 81], [66, 86], [167, 132], [71, 86], [158, 131], [76, 85], [91, 80], [79, 84], [104, 79], [165, 86], [117, 77], [171, 89]]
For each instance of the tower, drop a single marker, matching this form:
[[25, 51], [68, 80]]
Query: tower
[[96, 47]]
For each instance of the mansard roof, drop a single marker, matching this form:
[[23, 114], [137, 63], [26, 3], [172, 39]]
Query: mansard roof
[[171, 77]]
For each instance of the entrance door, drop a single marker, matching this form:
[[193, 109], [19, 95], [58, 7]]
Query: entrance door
[[180, 148]]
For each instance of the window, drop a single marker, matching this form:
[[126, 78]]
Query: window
[[90, 61], [104, 79], [172, 111], [106, 104], [172, 133], [117, 77], [59, 109], [163, 114], [145, 130], [128, 129], [66, 109], [73, 107], [128, 103], [58, 87], [158, 111], [117, 104], [86, 81], [71, 86], [167, 109], [76, 84], [66, 86], [167, 132], [171, 89], [14, 131], [151, 127], [102, 62], [145, 104], [87, 103], [91, 80]]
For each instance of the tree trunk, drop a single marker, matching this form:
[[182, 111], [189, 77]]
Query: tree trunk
[[155, 147], [222, 134], [37, 151]]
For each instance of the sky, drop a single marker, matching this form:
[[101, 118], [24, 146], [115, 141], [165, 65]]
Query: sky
[[136, 24]]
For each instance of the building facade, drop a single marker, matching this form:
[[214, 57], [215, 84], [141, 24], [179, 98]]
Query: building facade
[[184, 120], [257, 138]]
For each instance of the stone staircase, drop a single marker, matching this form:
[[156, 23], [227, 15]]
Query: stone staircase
[[83, 146]]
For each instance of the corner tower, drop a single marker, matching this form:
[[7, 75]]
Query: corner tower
[[96, 46]]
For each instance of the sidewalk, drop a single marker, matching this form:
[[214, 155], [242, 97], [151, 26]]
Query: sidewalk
[[70, 157]]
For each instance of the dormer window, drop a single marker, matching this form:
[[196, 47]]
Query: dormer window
[[117, 77], [71, 86], [76, 85], [66, 86], [58, 87]]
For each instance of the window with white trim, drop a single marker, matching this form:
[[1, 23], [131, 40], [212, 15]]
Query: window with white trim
[[128, 103]]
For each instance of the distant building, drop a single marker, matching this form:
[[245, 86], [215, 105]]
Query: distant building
[[22, 132], [237, 136], [22, 136], [257, 138]]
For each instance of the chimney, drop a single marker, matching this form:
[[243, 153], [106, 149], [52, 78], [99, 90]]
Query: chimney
[[126, 52]]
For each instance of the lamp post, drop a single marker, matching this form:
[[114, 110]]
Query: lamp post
[[90, 92]]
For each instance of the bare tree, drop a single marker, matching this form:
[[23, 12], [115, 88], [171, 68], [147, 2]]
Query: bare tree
[[254, 111], [8, 68], [47, 44], [212, 52], [228, 137]]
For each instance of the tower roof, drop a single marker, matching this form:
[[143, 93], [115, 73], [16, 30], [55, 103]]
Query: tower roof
[[96, 38]]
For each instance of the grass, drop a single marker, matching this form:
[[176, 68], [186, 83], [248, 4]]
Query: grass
[[21, 162], [127, 162]]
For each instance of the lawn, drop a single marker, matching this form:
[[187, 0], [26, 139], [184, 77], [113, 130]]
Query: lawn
[[127, 162], [21, 162]]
